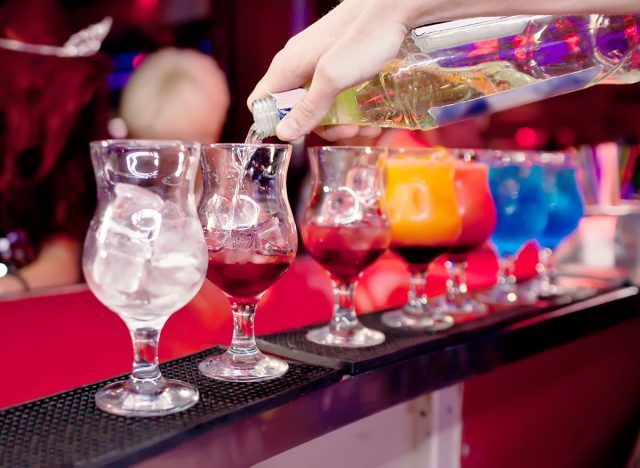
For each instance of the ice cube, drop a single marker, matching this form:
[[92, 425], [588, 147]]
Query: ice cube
[[131, 196], [363, 180], [241, 238], [341, 206], [230, 213], [135, 213], [271, 236], [182, 236], [246, 212], [217, 210], [120, 264], [175, 278]]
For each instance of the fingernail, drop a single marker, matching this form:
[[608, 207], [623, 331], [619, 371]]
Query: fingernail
[[287, 130]]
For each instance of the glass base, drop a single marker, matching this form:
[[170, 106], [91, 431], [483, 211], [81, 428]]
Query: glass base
[[356, 337], [548, 290], [233, 367], [432, 322], [464, 304], [144, 398], [499, 295]]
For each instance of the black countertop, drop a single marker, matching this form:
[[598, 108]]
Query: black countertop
[[242, 424]]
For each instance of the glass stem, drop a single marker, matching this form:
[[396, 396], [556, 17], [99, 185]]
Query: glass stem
[[546, 272], [244, 340], [457, 282], [344, 312], [145, 353], [417, 290], [506, 272]]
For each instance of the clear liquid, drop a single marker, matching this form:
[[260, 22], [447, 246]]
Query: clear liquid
[[240, 160], [253, 136]]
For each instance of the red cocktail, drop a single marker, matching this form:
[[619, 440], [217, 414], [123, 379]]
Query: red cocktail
[[345, 251], [245, 274], [478, 223]]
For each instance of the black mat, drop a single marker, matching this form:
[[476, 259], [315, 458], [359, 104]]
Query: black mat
[[67, 428], [401, 344]]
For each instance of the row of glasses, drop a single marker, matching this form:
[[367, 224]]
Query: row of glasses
[[146, 255]]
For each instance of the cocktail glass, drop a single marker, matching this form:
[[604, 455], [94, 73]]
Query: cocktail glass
[[565, 208], [478, 223], [425, 223], [144, 258], [252, 240], [522, 213], [345, 230]]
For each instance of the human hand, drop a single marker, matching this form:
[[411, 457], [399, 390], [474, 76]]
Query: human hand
[[344, 48]]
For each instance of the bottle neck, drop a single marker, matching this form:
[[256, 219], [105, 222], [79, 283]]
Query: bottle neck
[[266, 116]]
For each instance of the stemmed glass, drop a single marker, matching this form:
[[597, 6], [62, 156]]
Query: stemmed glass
[[345, 230], [478, 222], [425, 223], [144, 258], [252, 240], [565, 208], [522, 210]]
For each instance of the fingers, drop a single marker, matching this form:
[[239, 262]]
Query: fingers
[[344, 48], [308, 113], [294, 65], [337, 132], [340, 132]]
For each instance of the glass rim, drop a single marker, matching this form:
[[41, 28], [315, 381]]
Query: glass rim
[[346, 147], [557, 158], [240, 145], [143, 142]]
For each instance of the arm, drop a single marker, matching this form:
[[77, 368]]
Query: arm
[[357, 38], [57, 265]]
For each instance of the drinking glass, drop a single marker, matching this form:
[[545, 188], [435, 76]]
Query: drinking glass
[[144, 258], [425, 223], [345, 230], [565, 208], [522, 213], [252, 240], [478, 223]]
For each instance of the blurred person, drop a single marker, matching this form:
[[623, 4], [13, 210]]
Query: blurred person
[[177, 94], [358, 38], [50, 108]]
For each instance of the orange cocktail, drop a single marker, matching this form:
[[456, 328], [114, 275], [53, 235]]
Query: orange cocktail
[[425, 222]]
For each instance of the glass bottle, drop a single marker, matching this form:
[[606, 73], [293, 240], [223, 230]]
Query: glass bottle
[[452, 71]]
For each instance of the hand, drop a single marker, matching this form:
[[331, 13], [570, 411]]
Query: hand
[[344, 48], [9, 284]]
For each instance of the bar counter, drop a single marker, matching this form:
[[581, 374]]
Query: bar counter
[[568, 357]]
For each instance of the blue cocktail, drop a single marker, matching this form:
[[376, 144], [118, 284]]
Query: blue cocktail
[[522, 213], [565, 208]]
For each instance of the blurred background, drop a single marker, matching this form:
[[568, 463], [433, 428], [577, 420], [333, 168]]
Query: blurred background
[[184, 69]]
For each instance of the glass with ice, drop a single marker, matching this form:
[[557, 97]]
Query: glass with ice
[[345, 230], [252, 240], [145, 258]]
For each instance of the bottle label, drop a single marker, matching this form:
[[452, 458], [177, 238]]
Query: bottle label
[[441, 36], [286, 100], [515, 97], [449, 25]]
